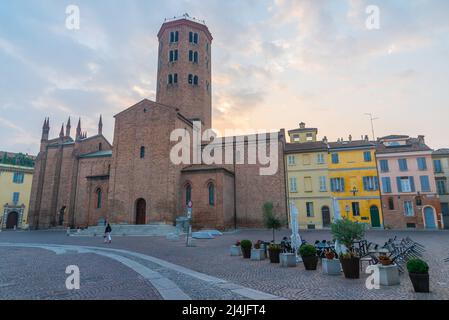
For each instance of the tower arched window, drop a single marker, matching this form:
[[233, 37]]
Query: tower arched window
[[190, 79], [190, 55], [211, 188], [142, 152], [195, 38], [195, 80], [188, 193], [99, 196], [195, 57], [170, 79]]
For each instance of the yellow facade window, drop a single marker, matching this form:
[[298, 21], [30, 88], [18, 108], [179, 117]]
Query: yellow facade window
[[308, 184], [306, 159]]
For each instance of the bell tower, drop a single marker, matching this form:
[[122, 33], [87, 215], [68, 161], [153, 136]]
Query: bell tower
[[184, 68]]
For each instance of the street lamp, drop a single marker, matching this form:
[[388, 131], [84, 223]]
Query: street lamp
[[354, 191]]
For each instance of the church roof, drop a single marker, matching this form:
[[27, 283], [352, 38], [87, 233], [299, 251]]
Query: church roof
[[97, 154]]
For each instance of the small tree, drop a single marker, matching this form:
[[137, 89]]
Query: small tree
[[346, 232], [270, 220]]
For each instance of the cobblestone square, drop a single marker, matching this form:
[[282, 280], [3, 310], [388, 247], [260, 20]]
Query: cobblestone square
[[33, 266]]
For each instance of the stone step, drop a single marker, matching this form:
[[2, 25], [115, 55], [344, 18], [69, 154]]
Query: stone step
[[136, 230]]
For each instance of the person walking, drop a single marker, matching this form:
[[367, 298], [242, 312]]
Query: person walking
[[107, 234]]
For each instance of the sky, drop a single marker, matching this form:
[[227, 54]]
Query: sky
[[275, 63]]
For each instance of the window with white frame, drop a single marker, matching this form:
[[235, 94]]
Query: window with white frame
[[320, 158], [408, 209], [293, 186], [323, 187], [291, 160]]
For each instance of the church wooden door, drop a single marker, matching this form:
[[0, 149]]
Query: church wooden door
[[141, 207]]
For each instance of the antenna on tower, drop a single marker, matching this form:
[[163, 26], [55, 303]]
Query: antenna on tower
[[372, 119]]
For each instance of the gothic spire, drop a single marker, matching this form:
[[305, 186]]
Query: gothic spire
[[61, 134], [78, 130], [100, 126], [67, 129]]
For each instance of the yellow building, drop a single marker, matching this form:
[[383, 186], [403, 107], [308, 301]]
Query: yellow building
[[15, 189], [307, 178], [354, 181]]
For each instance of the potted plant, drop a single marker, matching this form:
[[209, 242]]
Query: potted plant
[[418, 270], [274, 250], [331, 266], [270, 220], [246, 246], [346, 232], [236, 250], [258, 252], [388, 272], [309, 257]]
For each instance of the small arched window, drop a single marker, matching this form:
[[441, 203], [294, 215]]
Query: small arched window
[[99, 196], [190, 79], [195, 80], [188, 193], [142, 152], [211, 188]]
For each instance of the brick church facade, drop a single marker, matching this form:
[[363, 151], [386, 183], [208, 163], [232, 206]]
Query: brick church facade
[[80, 181]]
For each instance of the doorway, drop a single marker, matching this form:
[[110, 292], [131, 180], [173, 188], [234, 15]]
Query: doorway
[[429, 218], [12, 220], [375, 217], [326, 214], [141, 208]]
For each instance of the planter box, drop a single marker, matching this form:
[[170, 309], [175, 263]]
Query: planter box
[[331, 267], [351, 267], [257, 254], [288, 260], [310, 263], [388, 275], [274, 255], [420, 282], [236, 251], [246, 252]]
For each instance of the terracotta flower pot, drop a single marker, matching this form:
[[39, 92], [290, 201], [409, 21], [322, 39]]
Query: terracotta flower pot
[[351, 267], [420, 281]]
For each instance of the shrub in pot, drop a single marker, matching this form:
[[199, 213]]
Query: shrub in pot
[[309, 257], [274, 251], [246, 246], [346, 232], [418, 271]]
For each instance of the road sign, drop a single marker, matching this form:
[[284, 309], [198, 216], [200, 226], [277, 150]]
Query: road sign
[[189, 213]]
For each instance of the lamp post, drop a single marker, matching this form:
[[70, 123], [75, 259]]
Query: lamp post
[[354, 191]]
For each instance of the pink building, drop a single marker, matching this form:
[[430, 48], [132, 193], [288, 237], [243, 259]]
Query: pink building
[[408, 189]]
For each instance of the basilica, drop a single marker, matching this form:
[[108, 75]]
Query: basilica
[[80, 180]]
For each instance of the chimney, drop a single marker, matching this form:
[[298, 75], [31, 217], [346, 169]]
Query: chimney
[[366, 138], [350, 138], [421, 139], [325, 139], [302, 125]]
